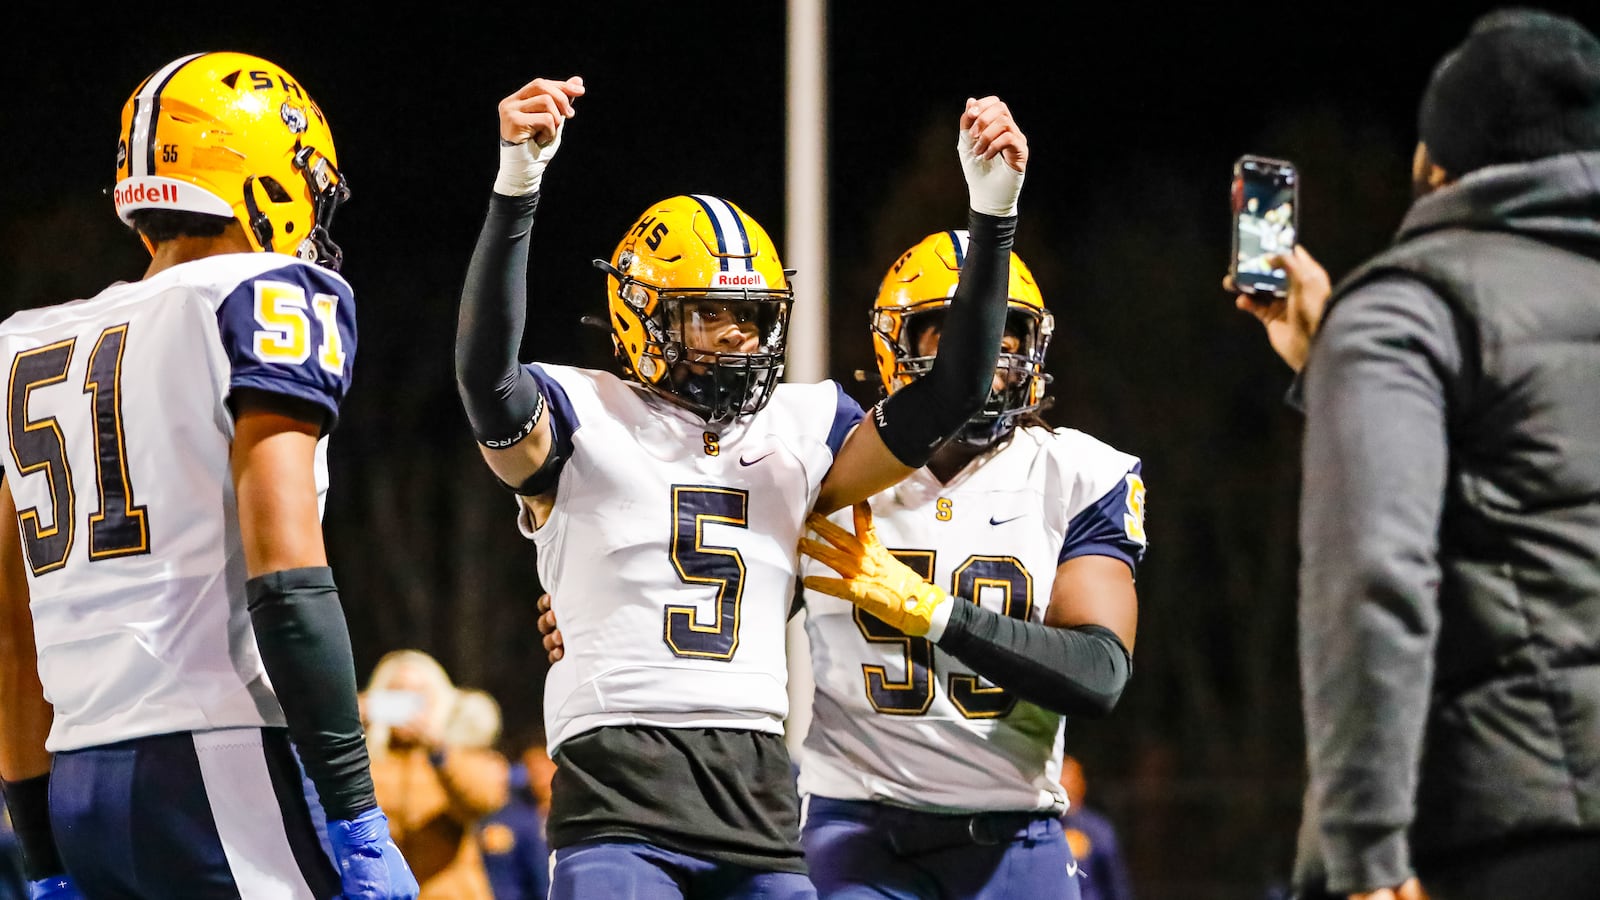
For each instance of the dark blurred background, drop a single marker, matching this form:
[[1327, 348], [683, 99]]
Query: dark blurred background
[[1135, 113]]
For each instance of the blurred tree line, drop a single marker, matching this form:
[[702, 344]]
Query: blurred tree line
[[1202, 764]]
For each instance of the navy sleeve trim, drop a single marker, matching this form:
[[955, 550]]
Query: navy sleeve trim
[[263, 333], [1102, 529], [563, 424], [847, 413]]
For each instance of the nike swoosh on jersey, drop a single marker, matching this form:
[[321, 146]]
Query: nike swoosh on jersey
[[994, 521], [1072, 870], [744, 462]]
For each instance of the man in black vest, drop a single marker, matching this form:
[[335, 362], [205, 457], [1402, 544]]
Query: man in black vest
[[1450, 519]]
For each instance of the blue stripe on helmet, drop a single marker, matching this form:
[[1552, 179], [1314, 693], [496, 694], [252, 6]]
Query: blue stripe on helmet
[[716, 225], [961, 252]]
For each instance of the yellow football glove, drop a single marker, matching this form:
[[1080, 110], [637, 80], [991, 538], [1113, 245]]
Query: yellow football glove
[[873, 579]]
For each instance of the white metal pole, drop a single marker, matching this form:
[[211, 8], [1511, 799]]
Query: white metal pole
[[806, 231]]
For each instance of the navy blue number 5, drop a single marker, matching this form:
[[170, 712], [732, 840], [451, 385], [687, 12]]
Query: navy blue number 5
[[700, 563]]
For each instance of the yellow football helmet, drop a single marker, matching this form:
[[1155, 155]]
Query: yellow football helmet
[[233, 135], [699, 306], [914, 297]]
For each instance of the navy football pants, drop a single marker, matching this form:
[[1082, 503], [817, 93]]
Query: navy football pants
[[633, 870], [210, 814], [872, 850]]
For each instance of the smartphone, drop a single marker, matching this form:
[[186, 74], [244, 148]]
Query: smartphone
[[393, 707], [1266, 219]]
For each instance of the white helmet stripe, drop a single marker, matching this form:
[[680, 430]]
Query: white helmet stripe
[[141, 133], [731, 238]]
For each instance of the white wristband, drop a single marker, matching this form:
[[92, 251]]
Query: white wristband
[[522, 166], [940, 618], [992, 185]]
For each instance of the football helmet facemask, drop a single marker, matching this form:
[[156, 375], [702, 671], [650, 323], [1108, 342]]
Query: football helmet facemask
[[915, 296], [699, 306], [233, 135]]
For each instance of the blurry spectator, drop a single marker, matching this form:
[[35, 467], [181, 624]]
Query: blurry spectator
[[1102, 875], [514, 849], [474, 721], [434, 792], [12, 881]]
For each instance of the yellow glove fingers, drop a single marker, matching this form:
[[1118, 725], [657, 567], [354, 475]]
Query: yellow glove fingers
[[837, 560], [834, 535], [835, 587], [863, 515]]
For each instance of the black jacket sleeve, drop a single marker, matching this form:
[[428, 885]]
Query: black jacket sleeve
[[1376, 458]]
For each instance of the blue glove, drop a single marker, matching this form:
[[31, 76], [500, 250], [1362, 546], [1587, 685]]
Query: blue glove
[[370, 865], [58, 888]]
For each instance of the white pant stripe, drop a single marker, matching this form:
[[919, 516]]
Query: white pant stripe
[[238, 786]]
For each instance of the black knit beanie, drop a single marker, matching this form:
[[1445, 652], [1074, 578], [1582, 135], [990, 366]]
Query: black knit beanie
[[1524, 85]]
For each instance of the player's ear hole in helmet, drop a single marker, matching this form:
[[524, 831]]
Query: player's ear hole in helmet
[[911, 305], [233, 136], [698, 306]]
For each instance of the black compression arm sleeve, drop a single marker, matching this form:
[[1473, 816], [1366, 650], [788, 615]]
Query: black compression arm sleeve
[[501, 398], [28, 801], [1073, 671], [305, 648], [916, 419]]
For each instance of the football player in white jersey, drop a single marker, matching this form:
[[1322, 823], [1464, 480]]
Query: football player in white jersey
[[159, 513], [666, 506], [993, 593]]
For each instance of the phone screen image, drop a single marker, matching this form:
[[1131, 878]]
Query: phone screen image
[[1264, 199], [393, 707]]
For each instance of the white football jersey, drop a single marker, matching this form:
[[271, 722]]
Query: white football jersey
[[670, 553], [119, 464], [896, 719]]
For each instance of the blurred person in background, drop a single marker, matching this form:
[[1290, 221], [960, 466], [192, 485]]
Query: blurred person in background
[[434, 791], [474, 721], [1102, 873], [515, 851], [13, 882], [1450, 512]]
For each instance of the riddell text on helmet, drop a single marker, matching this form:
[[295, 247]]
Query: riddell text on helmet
[[145, 193], [738, 279]]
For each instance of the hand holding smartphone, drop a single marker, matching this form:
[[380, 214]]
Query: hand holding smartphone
[[1266, 211]]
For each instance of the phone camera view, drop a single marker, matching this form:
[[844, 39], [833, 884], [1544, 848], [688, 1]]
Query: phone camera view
[[1264, 199]]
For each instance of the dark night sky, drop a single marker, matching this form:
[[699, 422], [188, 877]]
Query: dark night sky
[[689, 96], [1134, 113]]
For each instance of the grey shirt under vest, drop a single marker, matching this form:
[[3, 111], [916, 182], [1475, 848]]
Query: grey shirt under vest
[[1450, 531]]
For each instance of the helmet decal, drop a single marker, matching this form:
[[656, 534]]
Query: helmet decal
[[293, 117], [141, 128]]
